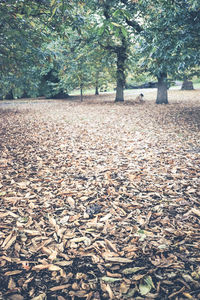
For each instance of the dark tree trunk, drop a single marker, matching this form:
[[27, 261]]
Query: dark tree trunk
[[81, 90], [162, 97], [121, 58], [97, 84], [97, 89], [9, 96], [187, 85]]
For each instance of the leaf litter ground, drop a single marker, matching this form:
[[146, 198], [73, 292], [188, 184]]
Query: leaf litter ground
[[100, 200]]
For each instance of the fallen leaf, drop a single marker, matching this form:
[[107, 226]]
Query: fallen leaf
[[12, 273], [40, 297], [110, 292], [117, 259], [110, 279], [59, 287], [144, 288], [124, 287], [132, 270], [196, 211], [11, 284]]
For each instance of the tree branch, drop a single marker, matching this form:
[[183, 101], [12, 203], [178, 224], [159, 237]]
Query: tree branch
[[134, 25]]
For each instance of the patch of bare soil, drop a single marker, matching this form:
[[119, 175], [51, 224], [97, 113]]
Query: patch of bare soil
[[100, 200]]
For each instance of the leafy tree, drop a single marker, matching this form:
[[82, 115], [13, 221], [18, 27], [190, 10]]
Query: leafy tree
[[20, 41], [167, 40], [91, 39], [25, 26], [102, 66], [188, 17], [80, 61], [113, 36]]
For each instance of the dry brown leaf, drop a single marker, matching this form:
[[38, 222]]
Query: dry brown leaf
[[84, 239], [59, 287], [117, 259], [3, 215], [115, 275], [64, 263], [196, 211], [10, 242], [111, 245], [46, 250], [12, 273], [138, 277], [31, 205], [54, 268], [124, 287], [52, 221], [23, 185], [40, 267], [110, 292], [78, 294], [140, 220], [11, 284], [105, 218], [144, 173], [5, 258], [15, 297], [71, 201], [7, 239], [130, 248], [32, 232], [53, 255]]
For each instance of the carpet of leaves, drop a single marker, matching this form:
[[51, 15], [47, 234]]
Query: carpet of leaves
[[100, 200]]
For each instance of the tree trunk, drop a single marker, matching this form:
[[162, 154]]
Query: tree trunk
[[121, 58], [162, 97], [97, 89], [97, 84], [187, 85], [81, 90], [9, 96]]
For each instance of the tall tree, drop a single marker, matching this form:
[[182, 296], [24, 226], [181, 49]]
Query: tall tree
[[114, 36], [167, 41], [20, 42], [24, 27], [82, 61]]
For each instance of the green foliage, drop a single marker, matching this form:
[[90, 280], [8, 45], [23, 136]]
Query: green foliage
[[20, 47], [49, 47], [170, 37], [20, 85]]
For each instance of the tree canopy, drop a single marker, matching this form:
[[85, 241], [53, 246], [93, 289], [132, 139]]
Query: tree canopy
[[83, 42]]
